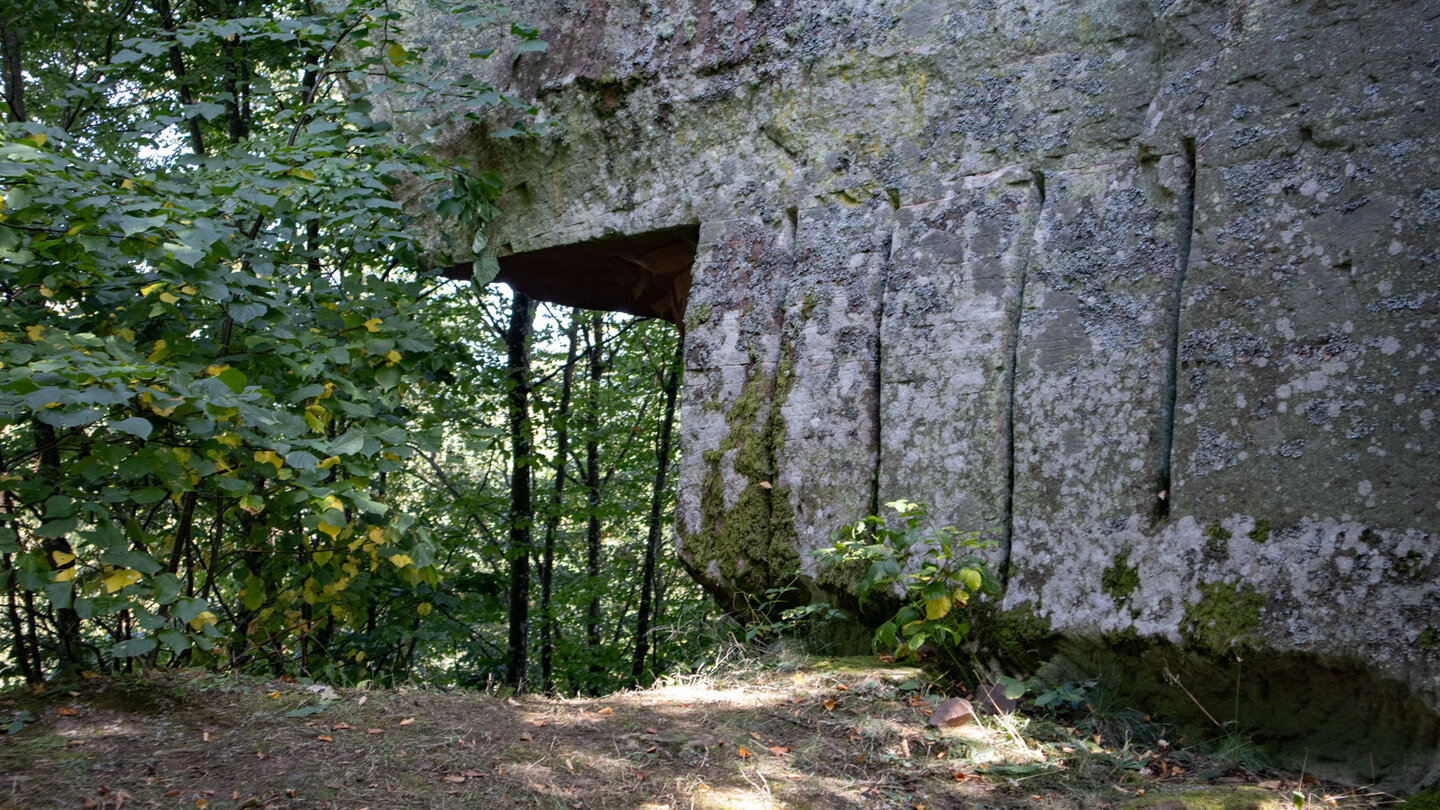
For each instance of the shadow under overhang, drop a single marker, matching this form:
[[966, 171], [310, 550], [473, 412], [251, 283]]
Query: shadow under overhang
[[646, 274]]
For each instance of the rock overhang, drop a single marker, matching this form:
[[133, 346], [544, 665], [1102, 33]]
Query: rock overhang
[[1148, 288]]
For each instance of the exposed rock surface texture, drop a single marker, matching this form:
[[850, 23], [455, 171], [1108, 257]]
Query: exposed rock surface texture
[[1149, 287]]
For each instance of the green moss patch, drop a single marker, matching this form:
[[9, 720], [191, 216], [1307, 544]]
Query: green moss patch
[[1121, 579], [1217, 542], [1261, 532], [1224, 616]]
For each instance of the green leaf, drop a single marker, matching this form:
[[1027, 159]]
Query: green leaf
[[135, 426], [233, 378], [177, 642], [135, 560], [134, 647]]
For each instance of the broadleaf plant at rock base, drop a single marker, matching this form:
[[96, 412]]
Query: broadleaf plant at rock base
[[950, 573], [210, 329]]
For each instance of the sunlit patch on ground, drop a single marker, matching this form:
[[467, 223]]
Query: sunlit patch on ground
[[798, 734]]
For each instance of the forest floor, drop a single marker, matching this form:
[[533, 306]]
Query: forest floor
[[803, 733]]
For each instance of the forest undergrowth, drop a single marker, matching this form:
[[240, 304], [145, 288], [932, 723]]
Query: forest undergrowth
[[751, 730]]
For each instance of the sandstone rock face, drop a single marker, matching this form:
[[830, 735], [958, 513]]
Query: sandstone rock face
[[1151, 288]]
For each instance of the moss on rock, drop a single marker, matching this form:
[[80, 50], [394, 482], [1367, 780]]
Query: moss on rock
[[1121, 579], [1224, 616]]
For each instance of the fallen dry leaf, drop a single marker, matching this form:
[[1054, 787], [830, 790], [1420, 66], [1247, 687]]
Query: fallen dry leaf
[[409, 721], [961, 776], [361, 701], [652, 731], [512, 701], [66, 712], [171, 793], [842, 687], [324, 738], [830, 705], [453, 778], [756, 737], [202, 803], [205, 736], [742, 752], [341, 727], [779, 750], [607, 710], [374, 731], [273, 695], [526, 736], [1271, 784]]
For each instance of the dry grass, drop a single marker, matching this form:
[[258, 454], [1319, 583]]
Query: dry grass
[[791, 733]]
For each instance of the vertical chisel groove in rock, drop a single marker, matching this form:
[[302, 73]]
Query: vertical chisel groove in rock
[[1012, 365], [877, 435], [1184, 229]]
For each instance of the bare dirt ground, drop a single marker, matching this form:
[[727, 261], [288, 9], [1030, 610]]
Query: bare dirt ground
[[804, 734]]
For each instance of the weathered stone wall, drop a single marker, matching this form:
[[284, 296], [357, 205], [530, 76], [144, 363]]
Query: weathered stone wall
[[1147, 286]]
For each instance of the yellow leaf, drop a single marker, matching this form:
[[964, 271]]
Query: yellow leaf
[[188, 290], [401, 560], [424, 608], [120, 579], [205, 617], [127, 184], [937, 608], [128, 334], [376, 535], [273, 695], [37, 138], [65, 575], [393, 356], [329, 462], [269, 457], [333, 531], [303, 174], [46, 292], [396, 52], [373, 324], [332, 502], [61, 557], [34, 332], [971, 578], [230, 440], [149, 288], [74, 229], [160, 353], [215, 369]]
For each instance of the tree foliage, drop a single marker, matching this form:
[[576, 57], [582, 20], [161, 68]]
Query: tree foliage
[[243, 422], [214, 319]]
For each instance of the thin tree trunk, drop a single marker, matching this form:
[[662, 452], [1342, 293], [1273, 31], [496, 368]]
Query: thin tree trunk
[[14, 67], [517, 342], [177, 67], [552, 517], [67, 621], [592, 495], [657, 504]]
